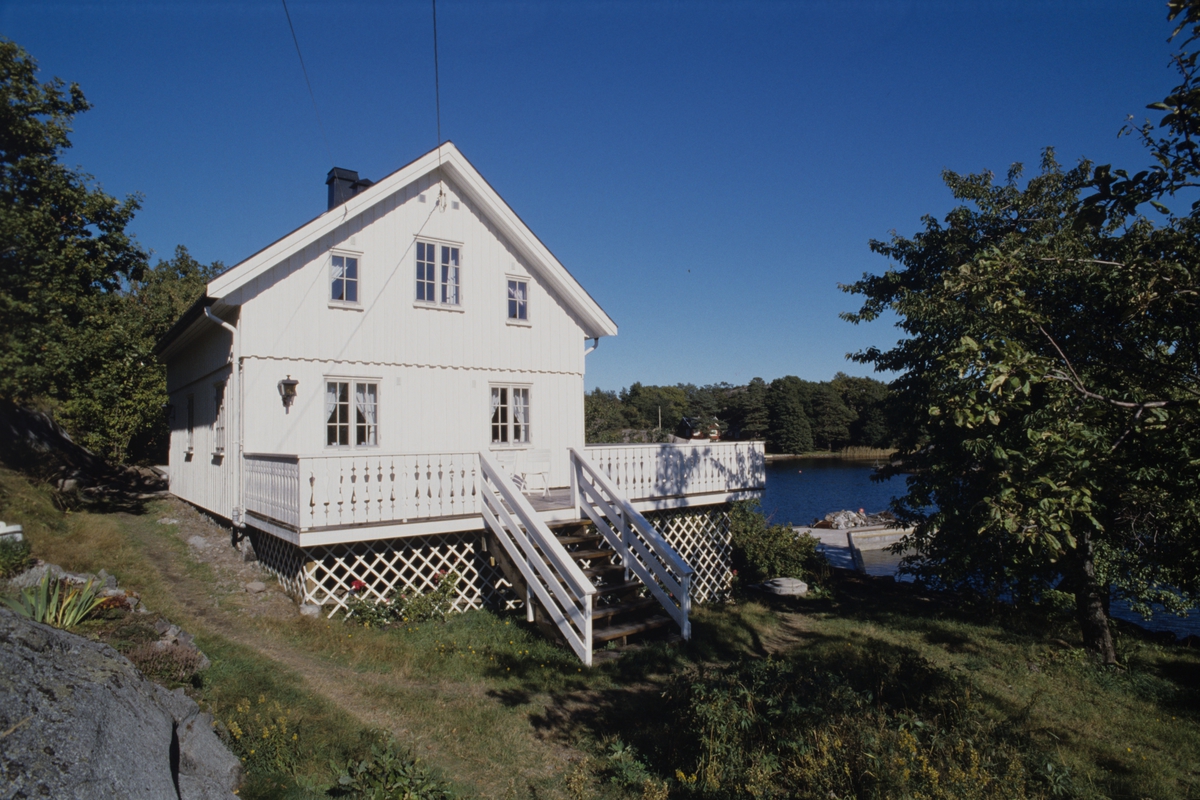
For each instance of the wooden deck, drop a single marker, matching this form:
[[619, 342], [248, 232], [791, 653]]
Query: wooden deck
[[558, 499]]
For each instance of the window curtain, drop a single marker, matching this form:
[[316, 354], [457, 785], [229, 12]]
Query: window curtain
[[495, 403], [520, 402], [364, 403], [331, 397]]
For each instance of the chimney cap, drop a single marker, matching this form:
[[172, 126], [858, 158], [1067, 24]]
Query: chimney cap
[[337, 173]]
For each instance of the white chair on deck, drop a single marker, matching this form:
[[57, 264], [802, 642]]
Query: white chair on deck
[[537, 465]]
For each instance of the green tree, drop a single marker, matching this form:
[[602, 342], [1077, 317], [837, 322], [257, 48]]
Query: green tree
[[603, 417], [830, 418], [64, 250], [868, 399], [116, 409], [790, 428], [1051, 367]]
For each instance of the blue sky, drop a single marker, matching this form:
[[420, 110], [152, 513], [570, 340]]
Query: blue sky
[[709, 171]]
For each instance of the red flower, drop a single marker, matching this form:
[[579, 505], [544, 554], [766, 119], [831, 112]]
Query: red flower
[[357, 586]]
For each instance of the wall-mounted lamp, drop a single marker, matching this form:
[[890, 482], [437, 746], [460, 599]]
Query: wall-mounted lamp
[[287, 390]]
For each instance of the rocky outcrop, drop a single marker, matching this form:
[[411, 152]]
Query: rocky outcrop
[[77, 720]]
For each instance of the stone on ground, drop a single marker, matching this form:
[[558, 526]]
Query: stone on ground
[[80, 721]]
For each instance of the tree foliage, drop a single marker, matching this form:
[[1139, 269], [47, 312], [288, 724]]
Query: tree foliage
[[792, 415], [80, 310], [1050, 380], [63, 246]]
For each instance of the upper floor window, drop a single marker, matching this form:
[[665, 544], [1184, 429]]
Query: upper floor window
[[439, 274], [518, 299], [343, 279], [510, 415], [351, 418]]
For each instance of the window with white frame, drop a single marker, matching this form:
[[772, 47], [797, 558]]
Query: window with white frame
[[510, 415], [191, 422], [219, 419], [439, 274], [451, 276], [518, 300], [351, 414], [343, 279]]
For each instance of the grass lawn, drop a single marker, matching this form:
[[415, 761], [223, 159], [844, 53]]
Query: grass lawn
[[499, 712]]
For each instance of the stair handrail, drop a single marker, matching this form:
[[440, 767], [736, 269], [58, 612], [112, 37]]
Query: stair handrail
[[550, 572], [654, 565]]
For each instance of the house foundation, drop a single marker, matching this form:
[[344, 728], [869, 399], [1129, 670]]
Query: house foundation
[[323, 575]]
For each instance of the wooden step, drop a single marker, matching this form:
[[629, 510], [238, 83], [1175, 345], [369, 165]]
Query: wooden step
[[590, 555], [623, 631], [619, 588], [624, 607], [607, 569], [579, 538]]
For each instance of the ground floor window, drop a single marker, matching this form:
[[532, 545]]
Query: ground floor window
[[347, 416], [219, 419], [510, 415]]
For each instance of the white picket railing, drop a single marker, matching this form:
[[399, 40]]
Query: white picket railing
[[272, 487], [305, 492], [642, 550], [550, 572], [672, 470]]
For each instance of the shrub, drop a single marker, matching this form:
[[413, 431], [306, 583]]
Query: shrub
[[857, 723], [762, 551], [63, 606], [434, 604], [172, 663], [390, 770], [263, 735], [14, 557]]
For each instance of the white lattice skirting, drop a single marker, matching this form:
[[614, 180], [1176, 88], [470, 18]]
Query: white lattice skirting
[[322, 575], [701, 536]]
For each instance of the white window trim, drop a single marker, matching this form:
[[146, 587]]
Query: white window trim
[[355, 305], [191, 424], [511, 445], [220, 423], [519, 323], [436, 304], [352, 380]]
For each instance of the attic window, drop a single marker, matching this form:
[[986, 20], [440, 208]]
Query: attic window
[[439, 275], [518, 300], [343, 279]]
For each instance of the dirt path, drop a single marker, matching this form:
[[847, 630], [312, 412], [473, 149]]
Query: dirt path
[[208, 586]]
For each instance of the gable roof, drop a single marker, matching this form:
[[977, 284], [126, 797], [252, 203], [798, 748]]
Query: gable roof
[[473, 186]]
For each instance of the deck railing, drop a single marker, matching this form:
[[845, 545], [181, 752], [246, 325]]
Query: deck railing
[[342, 489], [643, 552], [305, 492], [550, 573], [671, 470]]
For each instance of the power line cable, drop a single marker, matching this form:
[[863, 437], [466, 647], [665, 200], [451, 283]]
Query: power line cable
[[437, 101], [437, 91], [311, 94]]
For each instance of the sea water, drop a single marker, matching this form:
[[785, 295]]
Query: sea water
[[801, 491]]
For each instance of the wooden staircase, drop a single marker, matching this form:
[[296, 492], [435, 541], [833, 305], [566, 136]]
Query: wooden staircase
[[601, 579], [621, 607]]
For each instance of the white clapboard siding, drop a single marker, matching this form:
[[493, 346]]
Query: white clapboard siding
[[288, 314]]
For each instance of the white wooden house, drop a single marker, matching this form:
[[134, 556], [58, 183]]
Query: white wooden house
[[396, 388]]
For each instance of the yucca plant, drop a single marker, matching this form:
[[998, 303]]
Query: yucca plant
[[52, 603]]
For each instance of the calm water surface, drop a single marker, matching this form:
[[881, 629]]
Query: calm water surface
[[801, 491]]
